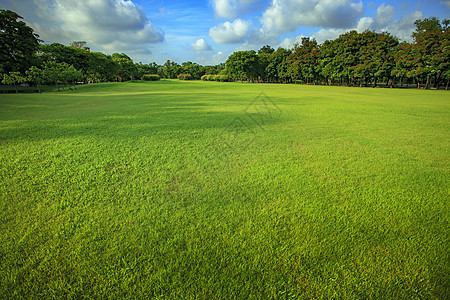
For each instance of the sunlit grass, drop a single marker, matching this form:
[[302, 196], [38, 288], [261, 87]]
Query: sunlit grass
[[183, 190]]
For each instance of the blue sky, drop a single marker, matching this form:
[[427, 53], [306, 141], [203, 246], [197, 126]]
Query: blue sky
[[208, 31]]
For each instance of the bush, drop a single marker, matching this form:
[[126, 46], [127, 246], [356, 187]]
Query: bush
[[184, 76], [151, 77], [221, 78]]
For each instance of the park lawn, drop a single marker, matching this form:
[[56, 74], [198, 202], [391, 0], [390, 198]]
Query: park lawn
[[183, 190]]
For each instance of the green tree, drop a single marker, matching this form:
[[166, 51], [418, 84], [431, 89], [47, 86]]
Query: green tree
[[53, 72], [13, 78], [195, 70], [304, 61], [127, 69], [339, 57], [405, 62], [375, 58], [171, 69], [70, 75], [430, 38], [35, 75], [275, 60], [101, 68], [264, 55], [243, 65], [326, 62], [18, 43]]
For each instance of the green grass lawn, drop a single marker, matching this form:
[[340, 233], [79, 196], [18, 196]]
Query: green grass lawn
[[194, 190]]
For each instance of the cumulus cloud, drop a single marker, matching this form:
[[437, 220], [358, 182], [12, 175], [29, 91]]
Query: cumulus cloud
[[446, 3], [287, 15], [288, 43], [231, 9], [328, 34], [384, 15], [201, 45], [404, 27], [230, 33], [113, 25], [382, 21]]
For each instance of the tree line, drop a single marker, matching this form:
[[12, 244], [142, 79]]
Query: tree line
[[354, 59], [23, 58]]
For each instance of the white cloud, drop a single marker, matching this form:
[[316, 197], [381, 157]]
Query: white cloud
[[288, 43], [201, 45], [328, 34], [231, 9], [230, 33], [364, 24], [384, 15], [383, 18], [404, 27], [384, 21], [287, 15], [111, 25], [212, 58], [381, 22], [446, 3]]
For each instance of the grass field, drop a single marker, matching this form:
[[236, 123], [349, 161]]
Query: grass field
[[194, 190]]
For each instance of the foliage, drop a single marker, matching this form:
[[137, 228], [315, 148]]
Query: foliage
[[171, 69], [127, 69], [243, 65], [151, 77], [184, 76], [13, 78], [35, 75], [18, 43], [221, 78]]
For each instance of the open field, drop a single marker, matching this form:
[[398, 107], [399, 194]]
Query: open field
[[194, 190]]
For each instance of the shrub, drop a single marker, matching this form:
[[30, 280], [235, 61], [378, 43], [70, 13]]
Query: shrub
[[223, 78], [151, 77], [184, 76]]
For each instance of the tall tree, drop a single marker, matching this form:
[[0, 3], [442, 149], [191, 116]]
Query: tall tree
[[171, 69], [35, 75], [274, 70], [429, 39], [304, 61], [243, 65], [127, 69], [18, 43]]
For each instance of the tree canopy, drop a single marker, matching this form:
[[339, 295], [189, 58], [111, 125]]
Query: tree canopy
[[18, 43]]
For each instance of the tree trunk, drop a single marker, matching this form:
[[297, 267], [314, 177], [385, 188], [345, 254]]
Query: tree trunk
[[39, 90], [438, 81], [418, 82], [428, 82], [57, 86], [15, 87], [374, 83], [448, 81]]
